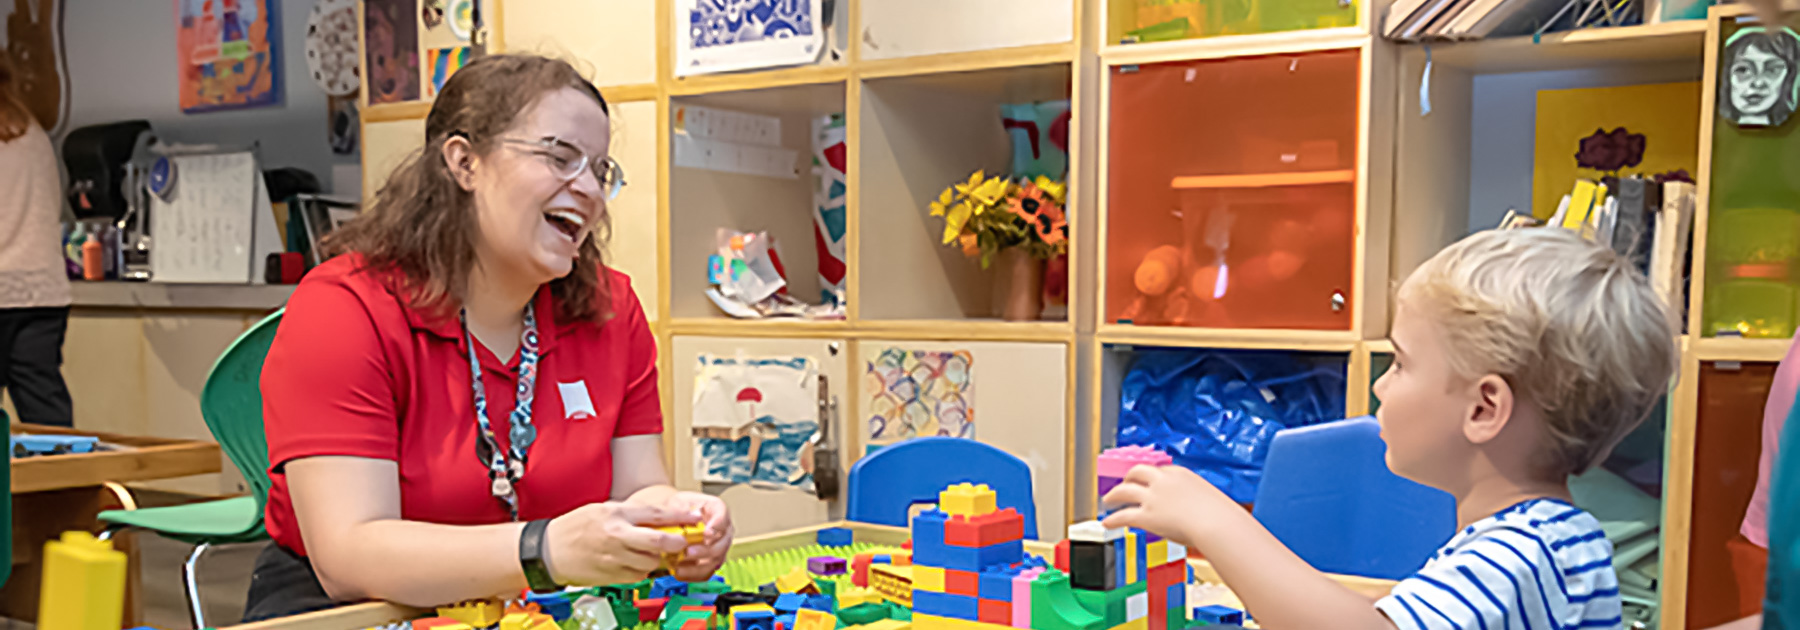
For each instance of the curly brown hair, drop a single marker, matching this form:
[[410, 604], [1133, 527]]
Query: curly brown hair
[[422, 224]]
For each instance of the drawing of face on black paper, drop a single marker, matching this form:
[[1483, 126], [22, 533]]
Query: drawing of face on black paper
[[1757, 82]]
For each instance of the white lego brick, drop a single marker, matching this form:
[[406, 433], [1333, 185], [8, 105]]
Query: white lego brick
[[1093, 531], [1137, 607], [1177, 553]]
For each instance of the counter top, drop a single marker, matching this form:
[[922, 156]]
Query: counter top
[[162, 295]]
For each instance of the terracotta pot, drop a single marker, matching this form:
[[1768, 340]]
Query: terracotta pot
[[1021, 285]]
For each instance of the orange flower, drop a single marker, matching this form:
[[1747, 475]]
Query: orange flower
[[971, 244], [1046, 218]]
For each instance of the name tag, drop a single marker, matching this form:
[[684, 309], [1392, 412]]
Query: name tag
[[576, 403]]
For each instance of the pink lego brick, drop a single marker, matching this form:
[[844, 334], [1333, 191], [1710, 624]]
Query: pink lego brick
[[1021, 598], [1115, 462]]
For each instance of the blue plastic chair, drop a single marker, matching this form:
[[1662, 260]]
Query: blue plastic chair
[[1328, 495], [884, 485]]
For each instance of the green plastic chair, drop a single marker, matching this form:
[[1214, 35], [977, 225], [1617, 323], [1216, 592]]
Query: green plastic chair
[[231, 403]]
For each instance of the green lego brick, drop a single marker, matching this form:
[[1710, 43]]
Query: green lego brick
[[746, 574], [827, 586], [1177, 619], [861, 614], [1054, 605], [1109, 604], [642, 589], [709, 587]]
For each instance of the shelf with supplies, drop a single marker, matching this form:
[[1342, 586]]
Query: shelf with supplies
[[183, 296]]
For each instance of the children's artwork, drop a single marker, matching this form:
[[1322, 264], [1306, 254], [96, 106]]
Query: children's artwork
[[446, 23], [730, 35], [914, 393], [440, 63], [331, 47], [1040, 135], [1759, 68], [828, 205], [754, 420], [391, 50], [1590, 133], [228, 54]]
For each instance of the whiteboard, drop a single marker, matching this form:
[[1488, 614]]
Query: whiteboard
[[212, 228]]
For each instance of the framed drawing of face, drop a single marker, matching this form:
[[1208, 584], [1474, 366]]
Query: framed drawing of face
[[1757, 77]]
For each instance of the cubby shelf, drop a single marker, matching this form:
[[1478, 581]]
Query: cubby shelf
[[1228, 338], [1225, 46], [1740, 349], [734, 82], [944, 63], [1580, 49]]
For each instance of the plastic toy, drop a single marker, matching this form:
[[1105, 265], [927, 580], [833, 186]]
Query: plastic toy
[[440, 623], [825, 565], [808, 619], [836, 537], [892, 583], [1216, 614], [1114, 463], [694, 534], [796, 581], [753, 617], [28, 445], [885, 484], [83, 585], [477, 614], [1156, 273]]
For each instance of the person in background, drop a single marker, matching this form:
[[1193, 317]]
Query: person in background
[[34, 284]]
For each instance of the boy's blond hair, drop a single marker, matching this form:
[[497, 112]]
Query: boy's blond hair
[[1571, 326]]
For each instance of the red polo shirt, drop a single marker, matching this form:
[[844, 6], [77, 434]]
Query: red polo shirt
[[356, 371]]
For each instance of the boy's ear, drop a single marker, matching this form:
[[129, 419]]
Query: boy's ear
[[1491, 411]]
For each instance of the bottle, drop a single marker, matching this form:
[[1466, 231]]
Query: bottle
[[93, 257]]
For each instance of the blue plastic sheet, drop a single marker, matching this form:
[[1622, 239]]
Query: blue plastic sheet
[[1215, 412]]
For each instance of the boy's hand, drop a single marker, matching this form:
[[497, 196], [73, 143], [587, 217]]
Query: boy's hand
[[1169, 501]]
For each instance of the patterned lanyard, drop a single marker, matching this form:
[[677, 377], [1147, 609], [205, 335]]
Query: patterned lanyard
[[506, 469]]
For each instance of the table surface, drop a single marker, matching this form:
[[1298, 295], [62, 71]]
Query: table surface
[[148, 458], [368, 615]]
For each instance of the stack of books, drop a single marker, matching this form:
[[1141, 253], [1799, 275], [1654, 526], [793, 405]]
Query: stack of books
[[1647, 220]]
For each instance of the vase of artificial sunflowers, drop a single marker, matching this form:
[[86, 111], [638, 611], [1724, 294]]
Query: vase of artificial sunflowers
[[1021, 223]]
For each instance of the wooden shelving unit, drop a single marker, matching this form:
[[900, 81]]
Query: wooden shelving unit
[[917, 101]]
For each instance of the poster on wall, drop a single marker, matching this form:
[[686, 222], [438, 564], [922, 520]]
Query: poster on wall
[[917, 393], [730, 35], [754, 420], [1761, 76], [228, 54], [391, 50]]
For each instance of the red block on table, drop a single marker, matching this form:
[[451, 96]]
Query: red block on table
[[906, 545], [1062, 555], [1167, 575], [993, 528], [650, 609], [963, 583], [694, 624], [859, 569], [994, 611]]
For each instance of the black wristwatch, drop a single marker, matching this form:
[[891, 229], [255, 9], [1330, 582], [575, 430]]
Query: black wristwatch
[[531, 557]]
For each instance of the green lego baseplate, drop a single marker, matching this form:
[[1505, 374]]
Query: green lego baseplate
[[748, 573]]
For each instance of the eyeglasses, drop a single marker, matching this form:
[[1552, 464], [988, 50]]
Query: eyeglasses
[[568, 161]]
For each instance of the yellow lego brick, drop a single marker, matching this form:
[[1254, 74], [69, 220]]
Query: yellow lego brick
[[1156, 554], [966, 500], [901, 559], [809, 619], [886, 624], [1131, 558], [929, 579], [478, 614], [848, 596], [1140, 624], [794, 581], [527, 621], [83, 585], [934, 622]]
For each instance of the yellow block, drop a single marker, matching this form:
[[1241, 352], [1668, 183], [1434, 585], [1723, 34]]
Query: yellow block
[[1131, 558], [527, 621], [83, 584], [884, 624], [933, 622], [478, 614], [929, 579], [892, 583], [848, 596], [809, 619], [901, 559], [1141, 624], [794, 581], [965, 499], [1156, 554]]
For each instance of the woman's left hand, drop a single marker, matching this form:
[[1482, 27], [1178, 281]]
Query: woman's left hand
[[702, 560]]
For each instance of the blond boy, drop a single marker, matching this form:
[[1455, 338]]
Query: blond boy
[[1521, 358]]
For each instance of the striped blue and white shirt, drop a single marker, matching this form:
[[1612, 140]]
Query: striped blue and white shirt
[[1539, 565]]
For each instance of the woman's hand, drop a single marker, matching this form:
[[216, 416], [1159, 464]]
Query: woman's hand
[[612, 542], [1169, 501], [704, 559]]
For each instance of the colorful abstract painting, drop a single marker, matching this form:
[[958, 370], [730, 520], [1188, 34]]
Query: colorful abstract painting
[[228, 54], [754, 420], [914, 393], [730, 35], [828, 205], [443, 62]]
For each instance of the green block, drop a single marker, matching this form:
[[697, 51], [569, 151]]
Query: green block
[[681, 617], [745, 574], [1177, 619], [1109, 604], [625, 612], [642, 589], [826, 586], [1054, 605], [862, 613], [709, 587]]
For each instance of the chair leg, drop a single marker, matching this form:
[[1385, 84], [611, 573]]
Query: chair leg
[[192, 583]]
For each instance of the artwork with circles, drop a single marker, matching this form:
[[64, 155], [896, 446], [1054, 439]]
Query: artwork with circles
[[331, 47], [1757, 86], [731, 35]]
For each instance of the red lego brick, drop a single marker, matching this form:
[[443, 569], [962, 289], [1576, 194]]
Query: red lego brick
[[1159, 604], [1167, 575], [694, 624], [906, 545], [1062, 555], [993, 528], [963, 583], [992, 611], [859, 569], [650, 609]]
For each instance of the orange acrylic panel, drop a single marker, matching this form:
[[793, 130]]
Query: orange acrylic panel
[[1232, 192], [1724, 582]]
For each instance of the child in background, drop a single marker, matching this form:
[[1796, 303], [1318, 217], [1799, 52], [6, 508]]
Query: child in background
[[1521, 358]]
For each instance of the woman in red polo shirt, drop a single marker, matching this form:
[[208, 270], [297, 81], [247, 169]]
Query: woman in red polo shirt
[[397, 476]]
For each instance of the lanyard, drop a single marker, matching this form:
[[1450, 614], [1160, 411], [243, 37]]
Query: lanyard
[[506, 469]]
